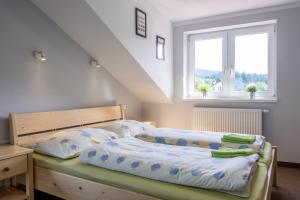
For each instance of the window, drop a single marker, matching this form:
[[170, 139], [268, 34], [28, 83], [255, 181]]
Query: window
[[228, 59]]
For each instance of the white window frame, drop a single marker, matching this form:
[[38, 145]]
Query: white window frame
[[191, 69], [228, 34]]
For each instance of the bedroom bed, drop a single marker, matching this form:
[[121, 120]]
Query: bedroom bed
[[70, 179]]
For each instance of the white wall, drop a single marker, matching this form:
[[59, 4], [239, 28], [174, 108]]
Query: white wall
[[65, 81], [281, 124], [119, 17], [84, 26]]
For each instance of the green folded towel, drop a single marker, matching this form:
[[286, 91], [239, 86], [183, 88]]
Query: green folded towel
[[230, 153], [237, 138]]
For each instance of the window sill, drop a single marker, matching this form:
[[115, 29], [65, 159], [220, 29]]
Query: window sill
[[233, 100]]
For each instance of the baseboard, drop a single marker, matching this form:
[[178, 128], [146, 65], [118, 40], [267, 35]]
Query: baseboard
[[5, 141], [288, 164]]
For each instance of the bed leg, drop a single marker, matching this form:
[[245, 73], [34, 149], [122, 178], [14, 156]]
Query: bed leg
[[275, 166]]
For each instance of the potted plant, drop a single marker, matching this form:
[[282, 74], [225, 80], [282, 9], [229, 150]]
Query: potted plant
[[203, 88], [251, 89]]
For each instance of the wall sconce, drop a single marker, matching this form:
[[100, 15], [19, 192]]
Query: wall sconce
[[95, 63], [39, 55]]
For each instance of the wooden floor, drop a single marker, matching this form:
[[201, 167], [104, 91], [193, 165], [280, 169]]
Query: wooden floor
[[288, 186]]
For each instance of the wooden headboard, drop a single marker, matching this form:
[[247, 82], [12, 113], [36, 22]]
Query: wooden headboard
[[27, 126]]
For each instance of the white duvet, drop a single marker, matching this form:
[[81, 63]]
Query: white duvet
[[191, 166], [205, 139]]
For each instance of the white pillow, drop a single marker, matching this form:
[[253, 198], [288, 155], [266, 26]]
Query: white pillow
[[127, 128], [70, 143]]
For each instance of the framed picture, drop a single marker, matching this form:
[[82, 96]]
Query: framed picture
[[140, 23], [160, 48]]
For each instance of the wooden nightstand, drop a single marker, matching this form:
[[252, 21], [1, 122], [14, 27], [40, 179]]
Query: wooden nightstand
[[15, 160]]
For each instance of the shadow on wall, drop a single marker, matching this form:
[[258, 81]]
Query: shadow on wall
[[4, 126]]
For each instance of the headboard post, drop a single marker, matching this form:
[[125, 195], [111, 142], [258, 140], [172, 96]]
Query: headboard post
[[123, 108], [12, 128]]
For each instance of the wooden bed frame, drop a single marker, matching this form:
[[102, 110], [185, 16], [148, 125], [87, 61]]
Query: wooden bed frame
[[29, 126]]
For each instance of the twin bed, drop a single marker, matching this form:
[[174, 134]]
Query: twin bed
[[72, 179]]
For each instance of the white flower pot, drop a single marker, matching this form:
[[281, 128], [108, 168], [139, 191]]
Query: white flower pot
[[252, 95]]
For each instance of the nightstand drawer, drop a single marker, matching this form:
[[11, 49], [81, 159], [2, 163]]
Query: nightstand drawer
[[13, 166]]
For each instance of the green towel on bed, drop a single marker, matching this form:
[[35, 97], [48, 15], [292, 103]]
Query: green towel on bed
[[230, 153], [237, 138]]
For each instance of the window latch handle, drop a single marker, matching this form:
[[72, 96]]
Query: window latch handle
[[231, 71]]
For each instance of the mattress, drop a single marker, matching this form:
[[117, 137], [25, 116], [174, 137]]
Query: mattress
[[146, 186], [267, 155]]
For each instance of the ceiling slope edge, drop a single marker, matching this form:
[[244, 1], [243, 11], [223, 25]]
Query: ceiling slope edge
[[77, 19]]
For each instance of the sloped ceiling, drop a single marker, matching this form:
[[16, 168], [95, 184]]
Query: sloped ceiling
[[118, 15], [84, 26], [180, 10]]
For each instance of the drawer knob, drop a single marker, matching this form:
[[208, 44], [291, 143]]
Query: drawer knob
[[6, 169]]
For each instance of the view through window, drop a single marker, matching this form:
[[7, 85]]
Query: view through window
[[251, 61], [208, 63], [226, 62]]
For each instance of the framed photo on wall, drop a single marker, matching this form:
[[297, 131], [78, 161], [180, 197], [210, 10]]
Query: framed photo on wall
[[140, 23], [160, 48]]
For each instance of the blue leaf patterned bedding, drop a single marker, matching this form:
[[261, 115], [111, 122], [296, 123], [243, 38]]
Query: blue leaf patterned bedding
[[190, 166], [203, 139], [126, 128], [69, 143]]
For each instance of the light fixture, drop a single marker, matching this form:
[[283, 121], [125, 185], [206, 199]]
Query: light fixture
[[39, 55], [95, 63]]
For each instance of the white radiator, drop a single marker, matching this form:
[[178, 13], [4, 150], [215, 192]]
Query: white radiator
[[248, 121]]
